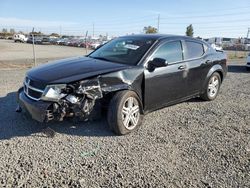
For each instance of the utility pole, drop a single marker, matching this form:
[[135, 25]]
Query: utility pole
[[60, 31], [86, 45], [158, 23], [248, 32], [33, 44], [93, 29], [246, 41]]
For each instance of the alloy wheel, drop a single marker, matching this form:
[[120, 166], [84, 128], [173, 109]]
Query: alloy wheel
[[213, 86], [130, 113]]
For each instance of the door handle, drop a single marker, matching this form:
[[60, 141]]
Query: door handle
[[182, 67], [208, 62]]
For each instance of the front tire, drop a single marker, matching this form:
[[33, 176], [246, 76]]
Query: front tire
[[125, 112], [212, 87], [248, 68]]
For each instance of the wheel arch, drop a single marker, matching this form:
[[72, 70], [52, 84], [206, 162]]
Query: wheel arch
[[215, 68], [131, 79], [221, 74], [108, 96]]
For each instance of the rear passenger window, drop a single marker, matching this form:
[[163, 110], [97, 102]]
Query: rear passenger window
[[171, 52], [193, 50]]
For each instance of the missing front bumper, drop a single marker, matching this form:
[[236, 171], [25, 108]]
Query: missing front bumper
[[45, 111], [37, 109]]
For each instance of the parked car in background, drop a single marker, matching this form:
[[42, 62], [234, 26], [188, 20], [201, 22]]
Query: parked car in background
[[84, 44], [104, 42], [30, 40], [72, 42], [37, 40], [62, 41], [20, 38], [216, 47], [9, 37], [54, 40], [45, 40], [78, 42], [248, 62], [95, 45], [68, 42], [128, 77]]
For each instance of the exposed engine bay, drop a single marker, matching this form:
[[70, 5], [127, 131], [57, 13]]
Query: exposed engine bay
[[79, 101]]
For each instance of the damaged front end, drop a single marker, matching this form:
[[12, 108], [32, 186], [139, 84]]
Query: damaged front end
[[80, 99], [77, 100], [59, 101]]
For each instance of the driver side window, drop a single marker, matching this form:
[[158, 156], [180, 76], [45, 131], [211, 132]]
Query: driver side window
[[170, 51]]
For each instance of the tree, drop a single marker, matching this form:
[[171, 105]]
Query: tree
[[149, 29], [190, 31], [36, 33], [54, 35], [65, 36]]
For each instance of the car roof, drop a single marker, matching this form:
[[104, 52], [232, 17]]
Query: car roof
[[157, 36]]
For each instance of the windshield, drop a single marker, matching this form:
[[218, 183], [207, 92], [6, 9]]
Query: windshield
[[123, 50]]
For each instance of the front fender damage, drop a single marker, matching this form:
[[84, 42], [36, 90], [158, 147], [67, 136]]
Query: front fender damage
[[84, 97], [129, 79]]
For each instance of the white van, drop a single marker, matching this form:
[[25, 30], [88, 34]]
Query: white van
[[20, 38]]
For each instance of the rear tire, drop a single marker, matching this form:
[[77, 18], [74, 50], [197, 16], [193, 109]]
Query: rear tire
[[125, 112], [212, 87]]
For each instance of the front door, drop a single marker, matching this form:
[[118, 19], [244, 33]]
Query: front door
[[166, 84]]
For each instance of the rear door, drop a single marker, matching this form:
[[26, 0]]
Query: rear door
[[198, 65]]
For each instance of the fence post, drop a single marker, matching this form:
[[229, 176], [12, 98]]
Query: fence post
[[33, 44]]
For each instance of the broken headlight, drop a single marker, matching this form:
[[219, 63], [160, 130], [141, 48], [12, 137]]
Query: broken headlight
[[54, 92]]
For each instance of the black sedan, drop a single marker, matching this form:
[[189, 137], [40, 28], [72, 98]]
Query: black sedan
[[127, 77]]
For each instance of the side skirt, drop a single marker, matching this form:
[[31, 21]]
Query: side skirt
[[173, 103]]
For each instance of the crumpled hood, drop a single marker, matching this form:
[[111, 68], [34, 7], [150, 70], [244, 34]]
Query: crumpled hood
[[72, 69]]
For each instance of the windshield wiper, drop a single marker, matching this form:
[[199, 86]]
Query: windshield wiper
[[100, 58]]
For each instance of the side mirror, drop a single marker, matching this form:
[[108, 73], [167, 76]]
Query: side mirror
[[157, 62]]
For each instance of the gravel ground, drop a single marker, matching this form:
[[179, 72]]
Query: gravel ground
[[192, 144]]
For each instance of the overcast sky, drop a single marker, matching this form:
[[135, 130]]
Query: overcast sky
[[209, 18]]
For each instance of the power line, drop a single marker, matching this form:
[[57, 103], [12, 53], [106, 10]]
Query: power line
[[206, 22], [135, 21], [213, 10], [207, 16], [127, 20], [208, 27]]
